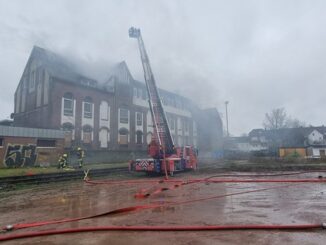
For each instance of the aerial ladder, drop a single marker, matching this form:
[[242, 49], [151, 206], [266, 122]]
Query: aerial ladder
[[166, 158]]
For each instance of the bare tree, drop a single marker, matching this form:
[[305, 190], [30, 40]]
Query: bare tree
[[278, 118]]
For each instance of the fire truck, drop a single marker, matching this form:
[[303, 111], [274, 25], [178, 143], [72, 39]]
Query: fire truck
[[164, 156]]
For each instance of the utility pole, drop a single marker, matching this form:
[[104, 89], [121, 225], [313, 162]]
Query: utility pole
[[227, 119]]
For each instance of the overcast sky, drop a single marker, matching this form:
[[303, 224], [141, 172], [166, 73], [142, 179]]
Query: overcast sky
[[258, 55]]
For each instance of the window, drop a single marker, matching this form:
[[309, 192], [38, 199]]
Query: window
[[186, 140], [144, 94], [32, 81], [1, 142], [123, 136], [45, 143], [172, 123], [139, 119], [139, 93], [87, 134], [68, 104], [88, 108], [139, 137], [124, 117], [104, 111], [68, 132], [186, 125]]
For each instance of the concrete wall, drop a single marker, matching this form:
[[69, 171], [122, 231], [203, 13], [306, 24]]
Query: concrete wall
[[105, 156]]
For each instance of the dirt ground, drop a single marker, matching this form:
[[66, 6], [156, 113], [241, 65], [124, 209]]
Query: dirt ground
[[295, 204]]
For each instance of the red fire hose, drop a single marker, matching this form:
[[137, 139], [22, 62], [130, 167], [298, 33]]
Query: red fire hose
[[176, 183], [163, 228], [132, 208]]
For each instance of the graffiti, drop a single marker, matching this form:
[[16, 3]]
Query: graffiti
[[20, 156]]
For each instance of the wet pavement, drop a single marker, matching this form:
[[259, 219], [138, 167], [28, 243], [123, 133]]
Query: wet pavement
[[302, 203]]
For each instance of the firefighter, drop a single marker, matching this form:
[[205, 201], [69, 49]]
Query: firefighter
[[63, 161], [80, 156]]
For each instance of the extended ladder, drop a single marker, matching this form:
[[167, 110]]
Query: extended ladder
[[161, 127]]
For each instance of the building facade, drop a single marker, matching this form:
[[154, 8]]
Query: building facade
[[109, 114]]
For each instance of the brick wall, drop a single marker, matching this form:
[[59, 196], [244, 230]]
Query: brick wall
[[43, 155]]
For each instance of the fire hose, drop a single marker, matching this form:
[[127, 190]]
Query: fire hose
[[176, 184], [131, 209], [163, 228]]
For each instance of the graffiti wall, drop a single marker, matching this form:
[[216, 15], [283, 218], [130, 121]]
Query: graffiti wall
[[20, 156]]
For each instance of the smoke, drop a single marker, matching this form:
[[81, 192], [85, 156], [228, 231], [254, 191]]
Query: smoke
[[258, 55]]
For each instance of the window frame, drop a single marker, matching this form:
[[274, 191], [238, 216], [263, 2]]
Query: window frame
[[89, 113], [46, 143], [172, 123], [139, 122], [124, 120], [68, 111], [32, 81]]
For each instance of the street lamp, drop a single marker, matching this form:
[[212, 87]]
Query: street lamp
[[226, 117]]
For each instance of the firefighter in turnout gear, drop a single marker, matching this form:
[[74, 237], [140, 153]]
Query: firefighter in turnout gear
[[63, 161], [80, 156]]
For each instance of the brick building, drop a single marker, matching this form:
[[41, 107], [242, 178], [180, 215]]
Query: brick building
[[111, 113]]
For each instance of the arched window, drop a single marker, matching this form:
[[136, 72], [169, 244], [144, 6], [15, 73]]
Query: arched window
[[139, 137], [68, 104], [88, 107]]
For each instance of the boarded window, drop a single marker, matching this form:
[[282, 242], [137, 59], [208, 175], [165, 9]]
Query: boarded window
[[45, 143], [87, 134], [123, 136], [139, 119], [123, 139], [87, 137], [124, 117]]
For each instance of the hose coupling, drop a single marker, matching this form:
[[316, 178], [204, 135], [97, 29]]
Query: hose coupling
[[9, 227]]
